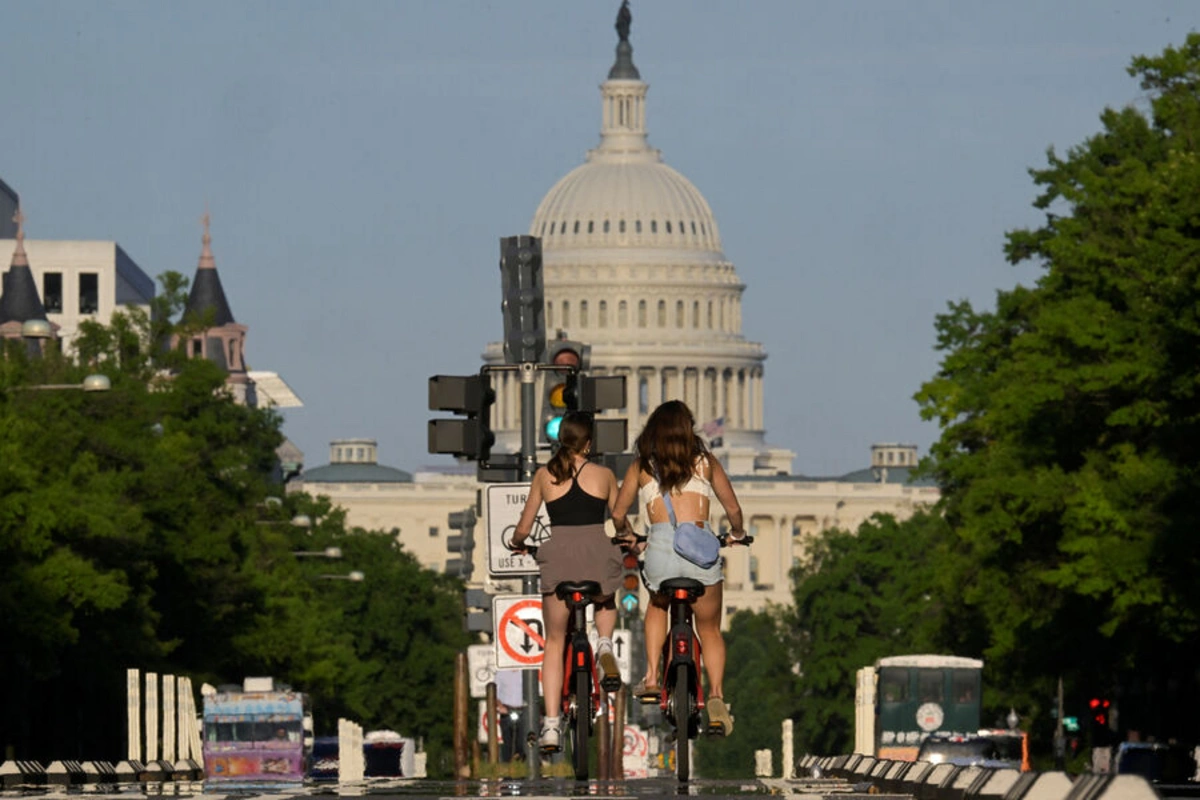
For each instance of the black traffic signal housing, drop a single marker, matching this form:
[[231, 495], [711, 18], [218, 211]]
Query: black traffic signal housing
[[631, 579], [523, 299], [462, 544], [470, 395], [560, 388]]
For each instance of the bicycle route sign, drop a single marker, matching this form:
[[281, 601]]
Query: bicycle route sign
[[504, 502], [520, 634]]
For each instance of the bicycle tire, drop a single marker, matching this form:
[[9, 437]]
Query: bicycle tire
[[683, 721], [581, 724]]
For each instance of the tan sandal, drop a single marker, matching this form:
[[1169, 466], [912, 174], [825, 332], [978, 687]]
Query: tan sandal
[[720, 721], [647, 694]]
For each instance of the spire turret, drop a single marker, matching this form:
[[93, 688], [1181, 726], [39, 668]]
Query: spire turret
[[207, 292], [20, 301], [623, 103], [623, 68]]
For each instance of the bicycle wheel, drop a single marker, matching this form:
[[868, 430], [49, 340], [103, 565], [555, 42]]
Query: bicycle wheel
[[581, 724], [683, 721]]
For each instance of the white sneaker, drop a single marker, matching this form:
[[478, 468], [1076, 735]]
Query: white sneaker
[[551, 739]]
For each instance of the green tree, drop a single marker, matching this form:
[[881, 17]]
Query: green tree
[[141, 527], [760, 684], [860, 596], [1069, 422]]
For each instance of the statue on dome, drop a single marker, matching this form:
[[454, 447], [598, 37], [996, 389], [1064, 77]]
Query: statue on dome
[[624, 18]]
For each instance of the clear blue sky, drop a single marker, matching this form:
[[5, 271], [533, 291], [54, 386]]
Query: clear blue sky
[[361, 161]]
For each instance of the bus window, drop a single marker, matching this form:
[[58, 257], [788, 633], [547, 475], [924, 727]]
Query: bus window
[[965, 686], [931, 686], [893, 685]]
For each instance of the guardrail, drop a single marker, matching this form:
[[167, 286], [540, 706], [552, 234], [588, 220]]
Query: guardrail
[[84, 774], [925, 781]]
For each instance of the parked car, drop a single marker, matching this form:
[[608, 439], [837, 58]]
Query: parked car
[[1156, 762], [987, 748]]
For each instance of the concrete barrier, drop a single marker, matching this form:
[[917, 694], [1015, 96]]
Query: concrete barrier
[[14, 774], [65, 773]]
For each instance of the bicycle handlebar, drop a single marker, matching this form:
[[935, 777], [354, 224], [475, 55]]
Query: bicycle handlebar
[[625, 543]]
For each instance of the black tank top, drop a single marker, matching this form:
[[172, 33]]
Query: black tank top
[[577, 507]]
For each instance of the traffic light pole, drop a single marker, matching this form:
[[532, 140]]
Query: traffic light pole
[[529, 685]]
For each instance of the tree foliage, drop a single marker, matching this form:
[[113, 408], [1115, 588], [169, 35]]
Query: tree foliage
[[145, 527], [1069, 420]]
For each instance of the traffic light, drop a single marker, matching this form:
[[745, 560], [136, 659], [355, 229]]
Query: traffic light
[[561, 386], [471, 395], [630, 580], [462, 544], [1098, 706], [523, 299]]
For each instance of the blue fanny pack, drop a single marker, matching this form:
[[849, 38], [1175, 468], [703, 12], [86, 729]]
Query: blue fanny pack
[[693, 542]]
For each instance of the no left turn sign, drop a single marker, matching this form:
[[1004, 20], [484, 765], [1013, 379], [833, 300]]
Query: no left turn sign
[[520, 634]]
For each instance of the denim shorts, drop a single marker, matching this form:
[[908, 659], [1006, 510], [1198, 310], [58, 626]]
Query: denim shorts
[[662, 562]]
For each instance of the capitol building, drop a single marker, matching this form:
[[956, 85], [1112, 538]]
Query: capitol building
[[633, 265]]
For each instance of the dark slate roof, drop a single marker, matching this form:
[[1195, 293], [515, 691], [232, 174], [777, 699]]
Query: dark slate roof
[[355, 473], [20, 300], [8, 204], [207, 293]]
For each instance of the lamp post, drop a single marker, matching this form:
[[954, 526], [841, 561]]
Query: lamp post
[[357, 576], [328, 552], [92, 383]]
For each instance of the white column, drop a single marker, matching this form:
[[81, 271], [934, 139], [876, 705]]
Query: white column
[[133, 711], [151, 707], [169, 712]]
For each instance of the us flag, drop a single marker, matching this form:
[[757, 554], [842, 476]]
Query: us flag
[[714, 429]]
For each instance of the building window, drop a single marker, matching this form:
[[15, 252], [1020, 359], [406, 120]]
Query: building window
[[681, 228], [52, 292], [621, 226], [637, 226], [710, 314], [668, 226], [693, 229], [603, 313], [678, 313], [641, 313], [654, 226], [622, 315], [695, 313], [643, 395], [606, 226], [433, 531], [662, 313], [89, 293], [583, 313], [591, 226], [197, 348], [576, 227], [562, 226], [566, 314]]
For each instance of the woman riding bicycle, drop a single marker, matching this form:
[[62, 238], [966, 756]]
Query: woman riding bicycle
[[578, 496], [672, 458]]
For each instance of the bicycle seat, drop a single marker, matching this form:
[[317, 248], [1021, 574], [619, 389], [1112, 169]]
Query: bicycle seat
[[693, 587], [588, 589]]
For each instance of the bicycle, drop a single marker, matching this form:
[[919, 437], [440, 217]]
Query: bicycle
[[581, 683], [681, 696]]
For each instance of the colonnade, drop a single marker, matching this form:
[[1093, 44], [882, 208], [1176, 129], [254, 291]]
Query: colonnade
[[732, 393]]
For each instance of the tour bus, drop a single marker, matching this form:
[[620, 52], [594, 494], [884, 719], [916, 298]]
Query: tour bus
[[901, 700], [256, 734]]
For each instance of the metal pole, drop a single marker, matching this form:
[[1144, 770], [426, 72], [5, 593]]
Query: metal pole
[[462, 756], [1060, 740], [604, 738], [530, 583], [618, 747], [493, 725]]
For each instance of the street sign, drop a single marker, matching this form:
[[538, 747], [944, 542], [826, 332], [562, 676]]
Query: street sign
[[482, 730], [481, 668], [504, 502], [520, 635]]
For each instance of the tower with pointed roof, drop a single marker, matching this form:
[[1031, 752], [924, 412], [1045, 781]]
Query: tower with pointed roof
[[19, 299], [219, 337], [633, 265]]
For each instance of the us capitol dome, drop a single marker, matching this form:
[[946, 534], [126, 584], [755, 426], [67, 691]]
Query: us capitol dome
[[633, 265]]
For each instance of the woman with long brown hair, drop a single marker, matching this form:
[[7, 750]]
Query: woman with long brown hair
[[578, 496], [672, 459]]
